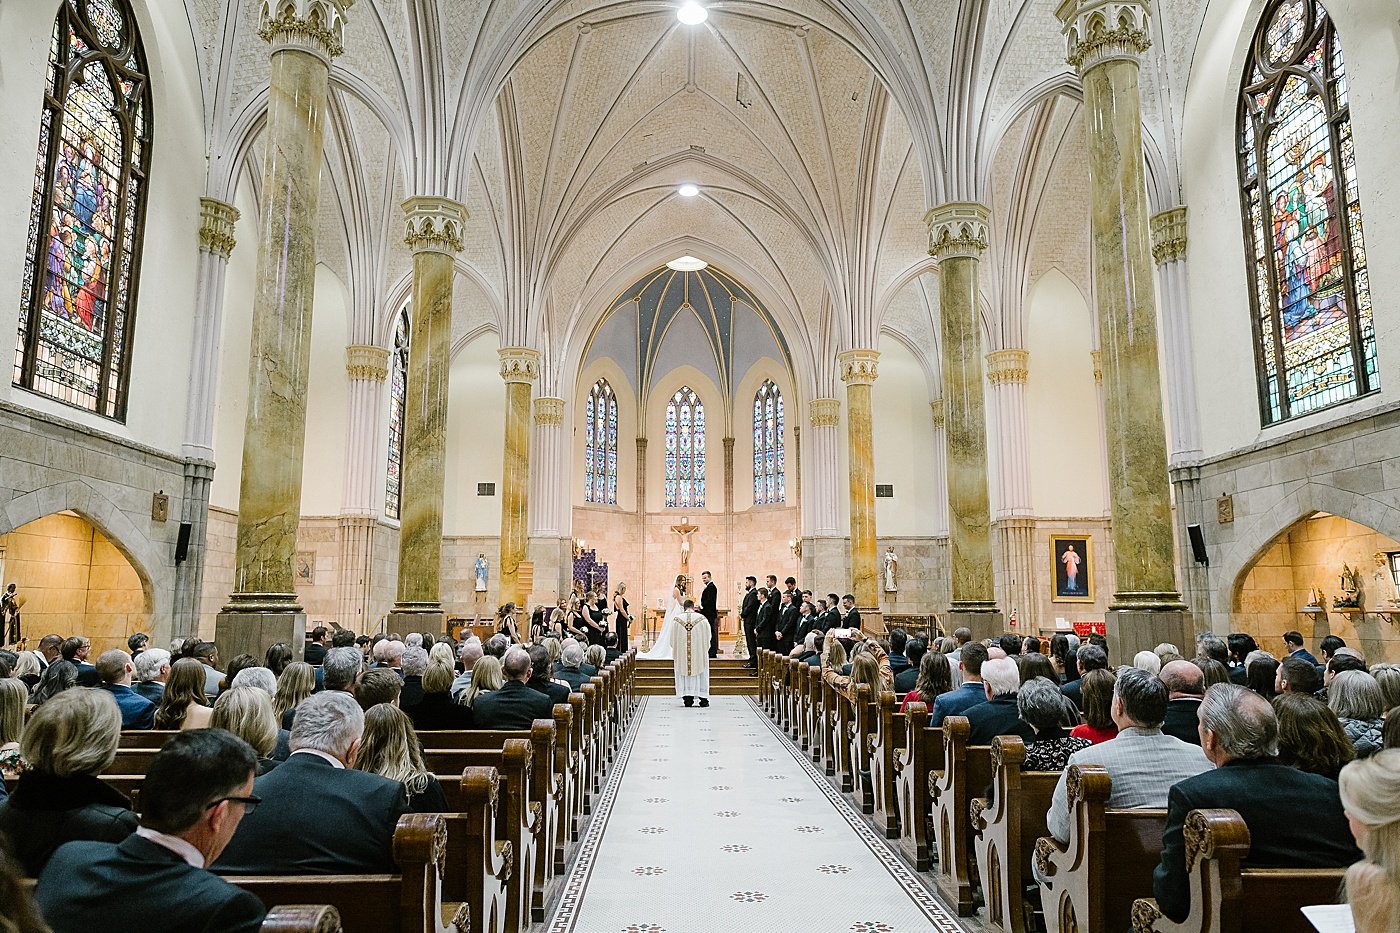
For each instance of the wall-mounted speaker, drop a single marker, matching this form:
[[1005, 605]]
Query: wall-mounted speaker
[[182, 542], [1198, 544]]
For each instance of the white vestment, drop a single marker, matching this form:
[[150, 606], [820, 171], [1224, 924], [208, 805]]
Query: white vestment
[[661, 649], [690, 643]]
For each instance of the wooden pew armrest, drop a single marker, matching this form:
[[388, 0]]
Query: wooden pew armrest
[[302, 918]]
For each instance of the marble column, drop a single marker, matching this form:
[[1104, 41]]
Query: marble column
[[859, 369], [216, 243], [550, 485], [433, 233], [1007, 371], [1105, 40], [957, 239], [520, 367], [366, 369], [304, 35]]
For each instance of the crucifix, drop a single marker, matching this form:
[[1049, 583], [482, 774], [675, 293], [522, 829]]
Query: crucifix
[[592, 574], [685, 529]]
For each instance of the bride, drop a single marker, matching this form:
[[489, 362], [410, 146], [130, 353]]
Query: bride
[[661, 648]]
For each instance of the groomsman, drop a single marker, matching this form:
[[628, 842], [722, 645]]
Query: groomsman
[[748, 613], [788, 615], [833, 612], [766, 624], [851, 619]]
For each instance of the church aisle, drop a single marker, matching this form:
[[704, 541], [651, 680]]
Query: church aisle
[[711, 822]]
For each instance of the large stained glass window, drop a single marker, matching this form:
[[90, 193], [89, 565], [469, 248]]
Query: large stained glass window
[[685, 450], [1314, 337], [79, 288], [398, 402], [600, 445], [769, 455]]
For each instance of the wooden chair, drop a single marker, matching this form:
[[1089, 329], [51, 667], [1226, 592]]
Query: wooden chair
[[1090, 883], [887, 746], [1227, 898], [967, 770], [918, 768], [1005, 829]]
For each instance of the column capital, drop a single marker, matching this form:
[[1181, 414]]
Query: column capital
[[1098, 31], [216, 220], [549, 410], [957, 229], [1169, 235], [940, 413], [859, 367], [826, 412], [519, 364], [434, 225], [1004, 366], [367, 362], [313, 26], [1097, 357]]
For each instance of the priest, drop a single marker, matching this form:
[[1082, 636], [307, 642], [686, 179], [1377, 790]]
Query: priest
[[690, 647]]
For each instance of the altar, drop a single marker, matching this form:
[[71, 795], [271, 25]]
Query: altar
[[654, 618]]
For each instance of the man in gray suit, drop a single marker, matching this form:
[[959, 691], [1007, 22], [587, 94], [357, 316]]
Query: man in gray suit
[[1143, 762]]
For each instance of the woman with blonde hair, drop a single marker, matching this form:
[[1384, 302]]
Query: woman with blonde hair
[[441, 652], [1370, 790], [622, 617], [247, 713], [486, 676], [390, 748], [13, 697], [597, 656], [184, 706], [297, 682], [27, 669]]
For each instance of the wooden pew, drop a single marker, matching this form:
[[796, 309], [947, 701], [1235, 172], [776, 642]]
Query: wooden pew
[[1005, 829], [1227, 898], [831, 729], [918, 768], [888, 746], [144, 738], [479, 867], [516, 823], [289, 918], [816, 713], [967, 770], [409, 902], [1089, 884], [864, 724], [841, 740]]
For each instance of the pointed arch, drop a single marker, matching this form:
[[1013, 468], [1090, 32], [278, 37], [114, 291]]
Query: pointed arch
[[684, 477]]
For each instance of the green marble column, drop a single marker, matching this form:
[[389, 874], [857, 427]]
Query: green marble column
[[520, 367], [859, 369], [305, 35], [434, 234]]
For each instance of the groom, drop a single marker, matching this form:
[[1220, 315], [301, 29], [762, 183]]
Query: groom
[[709, 600], [690, 641]]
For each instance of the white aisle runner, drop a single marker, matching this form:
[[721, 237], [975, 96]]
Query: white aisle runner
[[711, 822]]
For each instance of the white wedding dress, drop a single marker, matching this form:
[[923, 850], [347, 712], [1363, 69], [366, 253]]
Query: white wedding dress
[[661, 648]]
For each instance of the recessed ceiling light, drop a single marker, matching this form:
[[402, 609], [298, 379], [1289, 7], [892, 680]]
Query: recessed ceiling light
[[687, 264], [688, 190], [692, 13]]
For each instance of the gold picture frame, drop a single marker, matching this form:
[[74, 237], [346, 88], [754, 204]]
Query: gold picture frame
[[1076, 587]]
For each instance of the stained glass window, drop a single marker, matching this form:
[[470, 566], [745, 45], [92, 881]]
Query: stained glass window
[[79, 287], [769, 454], [1314, 338], [685, 450], [398, 402], [600, 445]]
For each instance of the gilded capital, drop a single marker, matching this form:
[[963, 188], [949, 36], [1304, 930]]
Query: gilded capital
[[859, 367], [1006, 366], [549, 410], [519, 364], [1097, 357], [434, 225], [314, 26], [1098, 31], [826, 412], [366, 362], [940, 413], [216, 220], [1169, 236], [957, 229]]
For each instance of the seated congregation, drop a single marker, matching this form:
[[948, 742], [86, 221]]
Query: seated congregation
[[1046, 790], [397, 784]]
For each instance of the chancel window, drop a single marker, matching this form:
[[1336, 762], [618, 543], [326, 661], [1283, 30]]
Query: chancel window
[[685, 450], [769, 455], [1314, 339], [398, 406], [79, 287], [600, 445]]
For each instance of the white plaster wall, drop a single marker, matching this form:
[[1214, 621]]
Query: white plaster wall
[[476, 417], [903, 435], [1063, 427], [1218, 285], [160, 353]]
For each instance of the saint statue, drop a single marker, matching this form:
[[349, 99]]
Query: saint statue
[[480, 589], [891, 571]]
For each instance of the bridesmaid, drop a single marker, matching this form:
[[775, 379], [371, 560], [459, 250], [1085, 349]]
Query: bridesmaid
[[624, 617]]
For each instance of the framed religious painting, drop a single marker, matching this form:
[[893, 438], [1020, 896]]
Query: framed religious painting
[[1072, 568]]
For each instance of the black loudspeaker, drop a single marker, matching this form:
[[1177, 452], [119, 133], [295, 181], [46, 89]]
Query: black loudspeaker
[[182, 543], [1198, 544]]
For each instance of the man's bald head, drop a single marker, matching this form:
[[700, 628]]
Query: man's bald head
[[1183, 679], [516, 664], [471, 653]]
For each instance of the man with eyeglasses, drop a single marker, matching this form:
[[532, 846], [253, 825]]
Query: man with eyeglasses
[[197, 790]]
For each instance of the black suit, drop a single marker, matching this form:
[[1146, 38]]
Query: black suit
[[317, 819], [709, 598], [1270, 797], [1074, 691], [997, 716], [766, 628], [572, 676], [905, 680], [315, 653], [1182, 720], [748, 613], [788, 617], [139, 885], [557, 693], [514, 706], [851, 619]]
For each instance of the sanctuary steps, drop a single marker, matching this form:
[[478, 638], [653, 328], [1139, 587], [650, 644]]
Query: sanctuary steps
[[728, 677]]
